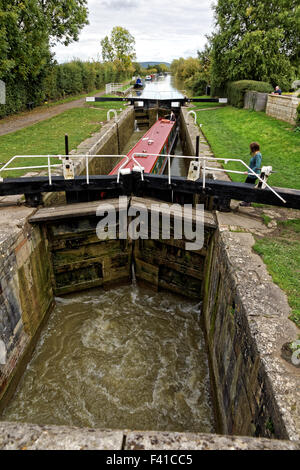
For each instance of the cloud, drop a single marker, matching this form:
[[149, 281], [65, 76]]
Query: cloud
[[118, 4], [163, 30]]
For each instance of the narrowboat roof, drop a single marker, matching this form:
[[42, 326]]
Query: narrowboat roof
[[152, 142]]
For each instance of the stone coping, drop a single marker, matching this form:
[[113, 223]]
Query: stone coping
[[288, 97], [267, 310], [24, 436]]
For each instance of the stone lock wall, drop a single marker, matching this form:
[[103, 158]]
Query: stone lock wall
[[109, 141], [254, 389], [26, 297], [283, 107]]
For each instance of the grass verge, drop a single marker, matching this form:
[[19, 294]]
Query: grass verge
[[281, 254], [207, 105], [229, 132], [47, 137]]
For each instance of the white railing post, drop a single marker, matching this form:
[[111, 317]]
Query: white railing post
[[87, 169], [49, 170]]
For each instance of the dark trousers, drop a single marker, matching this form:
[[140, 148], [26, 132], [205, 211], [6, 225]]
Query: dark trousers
[[250, 180]]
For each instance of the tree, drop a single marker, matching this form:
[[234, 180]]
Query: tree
[[193, 73], [27, 30], [28, 27], [64, 19], [162, 68], [138, 69], [255, 39], [119, 48]]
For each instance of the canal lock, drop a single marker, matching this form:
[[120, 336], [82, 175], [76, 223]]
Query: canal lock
[[39, 268]]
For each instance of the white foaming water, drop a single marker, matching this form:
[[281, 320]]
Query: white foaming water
[[127, 358]]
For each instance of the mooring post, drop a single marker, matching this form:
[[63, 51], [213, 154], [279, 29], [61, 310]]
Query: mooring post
[[66, 144]]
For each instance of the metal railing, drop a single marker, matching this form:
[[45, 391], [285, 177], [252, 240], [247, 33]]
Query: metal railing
[[111, 87], [138, 167], [204, 167], [85, 158]]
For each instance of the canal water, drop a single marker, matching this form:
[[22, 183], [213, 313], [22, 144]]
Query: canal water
[[127, 358], [161, 88]]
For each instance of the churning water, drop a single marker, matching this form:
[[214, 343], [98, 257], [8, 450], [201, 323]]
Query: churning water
[[126, 358]]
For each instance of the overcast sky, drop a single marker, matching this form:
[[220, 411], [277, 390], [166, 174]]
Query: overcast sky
[[163, 29]]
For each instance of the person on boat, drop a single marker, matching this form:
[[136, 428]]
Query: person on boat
[[172, 116], [255, 164], [139, 81]]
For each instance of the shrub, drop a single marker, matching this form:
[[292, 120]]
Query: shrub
[[197, 83], [237, 90], [58, 81]]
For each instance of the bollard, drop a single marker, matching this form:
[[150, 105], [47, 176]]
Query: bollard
[[66, 144]]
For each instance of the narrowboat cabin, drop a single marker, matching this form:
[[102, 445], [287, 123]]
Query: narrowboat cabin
[[151, 150]]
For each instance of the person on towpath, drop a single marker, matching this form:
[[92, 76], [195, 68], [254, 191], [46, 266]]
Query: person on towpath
[[255, 165]]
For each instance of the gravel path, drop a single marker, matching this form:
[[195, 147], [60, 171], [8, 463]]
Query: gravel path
[[19, 121]]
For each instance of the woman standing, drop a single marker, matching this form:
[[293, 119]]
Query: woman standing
[[255, 165]]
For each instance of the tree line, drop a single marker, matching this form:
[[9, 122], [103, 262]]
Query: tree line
[[28, 30], [253, 40]]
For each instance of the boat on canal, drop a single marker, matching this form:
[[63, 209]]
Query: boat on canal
[[139, 85], [151, 151]]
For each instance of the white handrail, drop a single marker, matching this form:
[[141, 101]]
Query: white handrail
[[140, 166], [134, 156], [213, 159], [56, 165], [121, 167]]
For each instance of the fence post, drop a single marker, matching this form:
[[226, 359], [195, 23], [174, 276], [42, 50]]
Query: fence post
[[66, 144]]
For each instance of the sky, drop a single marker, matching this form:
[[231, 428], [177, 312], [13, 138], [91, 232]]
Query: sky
[[163, 29]]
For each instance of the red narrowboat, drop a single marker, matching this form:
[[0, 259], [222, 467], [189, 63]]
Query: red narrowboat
[[158, 141]]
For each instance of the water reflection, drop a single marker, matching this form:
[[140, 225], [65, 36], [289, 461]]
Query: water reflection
[[160, 89]]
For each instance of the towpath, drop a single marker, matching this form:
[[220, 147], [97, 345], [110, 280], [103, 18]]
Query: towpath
[[19, 121]]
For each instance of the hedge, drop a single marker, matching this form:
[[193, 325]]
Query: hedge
[[298, 116], [236, 90], [56, 82]]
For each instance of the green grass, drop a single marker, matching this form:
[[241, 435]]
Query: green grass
[[266, 219], [282, 258], [107, 104], [47, 137], [206, 105], [293, 224], [229, 132], [69, 99], [125, 87]]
